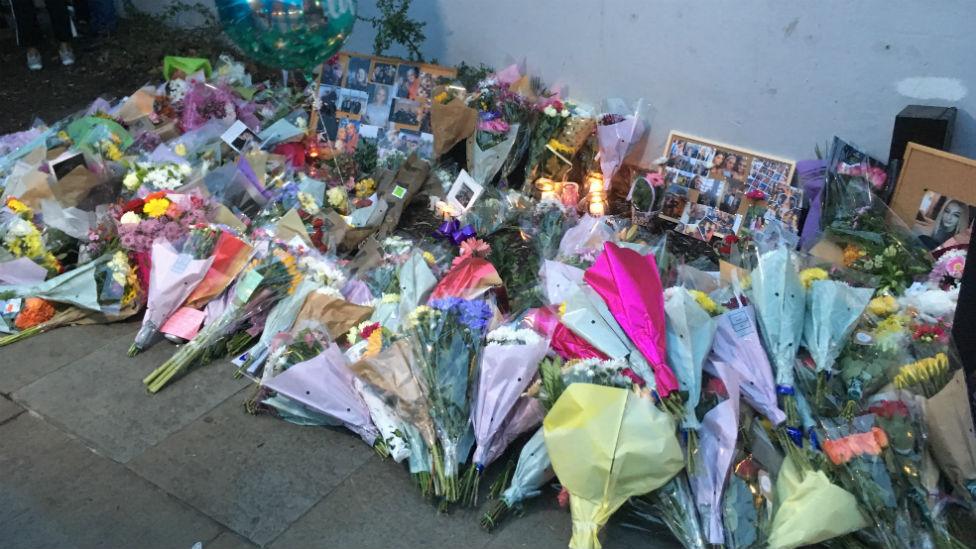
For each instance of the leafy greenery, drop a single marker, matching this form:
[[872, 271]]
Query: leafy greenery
[[469, 75], [366, 157], [394, 26], [643, 197]]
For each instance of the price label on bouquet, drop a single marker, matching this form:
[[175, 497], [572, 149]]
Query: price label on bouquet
[[741, 323], [399, 192], [248, 284], [12, 306], [181, 263]]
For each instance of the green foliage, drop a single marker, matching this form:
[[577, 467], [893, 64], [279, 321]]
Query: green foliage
[[394, 26], [366, 156], [643, 196], [469, 75]]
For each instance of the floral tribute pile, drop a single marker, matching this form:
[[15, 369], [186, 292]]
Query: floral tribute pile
[[746, 394]]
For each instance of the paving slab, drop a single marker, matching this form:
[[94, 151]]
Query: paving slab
[[255, 475], [378, 507], [58, 493], [229, 540], [33, 358], [8, 409], [101, 398]]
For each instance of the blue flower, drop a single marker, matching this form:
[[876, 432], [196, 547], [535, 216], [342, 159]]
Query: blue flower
[[446, 303], [475, 314]]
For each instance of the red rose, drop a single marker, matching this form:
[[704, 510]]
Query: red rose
[[133, 205]]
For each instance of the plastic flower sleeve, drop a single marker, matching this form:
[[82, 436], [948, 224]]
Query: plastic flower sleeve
[[506, 371], [484, 164], [587, 237], [606, 445], [737, 344], [532, 472], [527, 414], [833, 308], [76, 287], [716, 448], [559, 280], [689, 339], [172, 278], [618, 128], [672, 505], [280, 319], [416, 282], [390, 427], [325, 384], [780, 301]]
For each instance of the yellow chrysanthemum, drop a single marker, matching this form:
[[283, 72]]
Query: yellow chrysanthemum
[[365, 187], [18, 207], [112, 151], [705, 302], [63, 136], [809, 276], [429, 258], [883, 305], [441, 97], [559, 147], [562, 309], [180, 149], [156, 207], [374, 343]]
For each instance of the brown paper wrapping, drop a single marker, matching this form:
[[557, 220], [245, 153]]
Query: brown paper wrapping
[[390, 371], [450, 123], [950, 425], [290, 225], [72, 189], [335, 314], [138, 104], [31, 188], [413, 174]]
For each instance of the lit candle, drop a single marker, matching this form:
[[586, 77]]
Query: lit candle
[[570, 194], [598, 197]]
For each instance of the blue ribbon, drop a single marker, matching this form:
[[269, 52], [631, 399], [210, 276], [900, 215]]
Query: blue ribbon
[[814, 441], [785, 390], [796, 435]]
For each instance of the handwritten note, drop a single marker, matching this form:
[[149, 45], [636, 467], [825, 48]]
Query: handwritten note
[[184, 323]]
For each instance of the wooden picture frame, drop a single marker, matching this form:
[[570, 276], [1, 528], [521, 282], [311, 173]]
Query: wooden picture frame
[[695, 164], [950, 177]]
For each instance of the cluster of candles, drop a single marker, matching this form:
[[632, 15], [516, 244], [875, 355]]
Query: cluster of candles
[[567, 192]]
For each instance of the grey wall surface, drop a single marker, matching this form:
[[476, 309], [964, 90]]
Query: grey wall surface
[[774, 76]]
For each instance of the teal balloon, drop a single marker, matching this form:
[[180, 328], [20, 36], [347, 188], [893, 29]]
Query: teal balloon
[[288, 34]]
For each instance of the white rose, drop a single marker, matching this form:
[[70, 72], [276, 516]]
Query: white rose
[[129, 217], [564, 113], [131, 181], [550, 110], [185, 169]]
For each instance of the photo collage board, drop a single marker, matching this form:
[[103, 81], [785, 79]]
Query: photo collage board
[[706, 185], [380, 99]]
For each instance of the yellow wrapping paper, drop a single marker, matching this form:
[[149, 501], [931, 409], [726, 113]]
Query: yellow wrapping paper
[[810, 509], [606, 445]]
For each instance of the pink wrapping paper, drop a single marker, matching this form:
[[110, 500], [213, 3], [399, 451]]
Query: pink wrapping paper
[[631, 287], [172, 278], [737, 344], [356, 291], [468, 279], [562, 340], [526, 415], [505, 372], [325, 384]]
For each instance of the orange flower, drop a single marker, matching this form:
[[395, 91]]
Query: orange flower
[[35, 311], [851, 254], [845, 449]]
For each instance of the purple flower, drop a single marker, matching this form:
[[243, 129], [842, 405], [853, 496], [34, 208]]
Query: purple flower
[[172, 231], [446, 303], [475, 314], [128, 241]]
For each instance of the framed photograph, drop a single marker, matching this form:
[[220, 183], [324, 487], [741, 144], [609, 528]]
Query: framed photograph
[[935, 194], [357, 77], [464, 192], [333, 72], [718, 176], [705, 222], [63, 164]]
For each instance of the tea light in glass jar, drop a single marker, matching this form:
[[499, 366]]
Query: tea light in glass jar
[[570, 194], [598, 196], [549, 189]]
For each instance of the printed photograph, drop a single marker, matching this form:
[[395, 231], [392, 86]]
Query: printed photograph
[[378, 109], [940, 218], [408, 82], [358, 74], [406, 112], [675, 199], [705, 223], [383, 73], [352, 101]]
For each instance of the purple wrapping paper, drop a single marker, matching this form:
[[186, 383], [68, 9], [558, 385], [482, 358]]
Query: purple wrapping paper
[[325, 384], [357, 292], [506, 371], [811, 175], [526, 415], [738, 345], [716, 447], [21, 272]]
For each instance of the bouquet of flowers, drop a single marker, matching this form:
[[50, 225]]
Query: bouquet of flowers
[[260, 286], [508, 365], [176, 270], [141, 220], [554, 114], [21, 237], [618, 128], [532, 472], [446, 342], [501, 113], [155, 177]]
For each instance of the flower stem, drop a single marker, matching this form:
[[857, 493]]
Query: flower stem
[[498, 511]]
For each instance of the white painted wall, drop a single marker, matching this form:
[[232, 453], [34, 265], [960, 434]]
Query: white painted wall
[[777, 76]]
